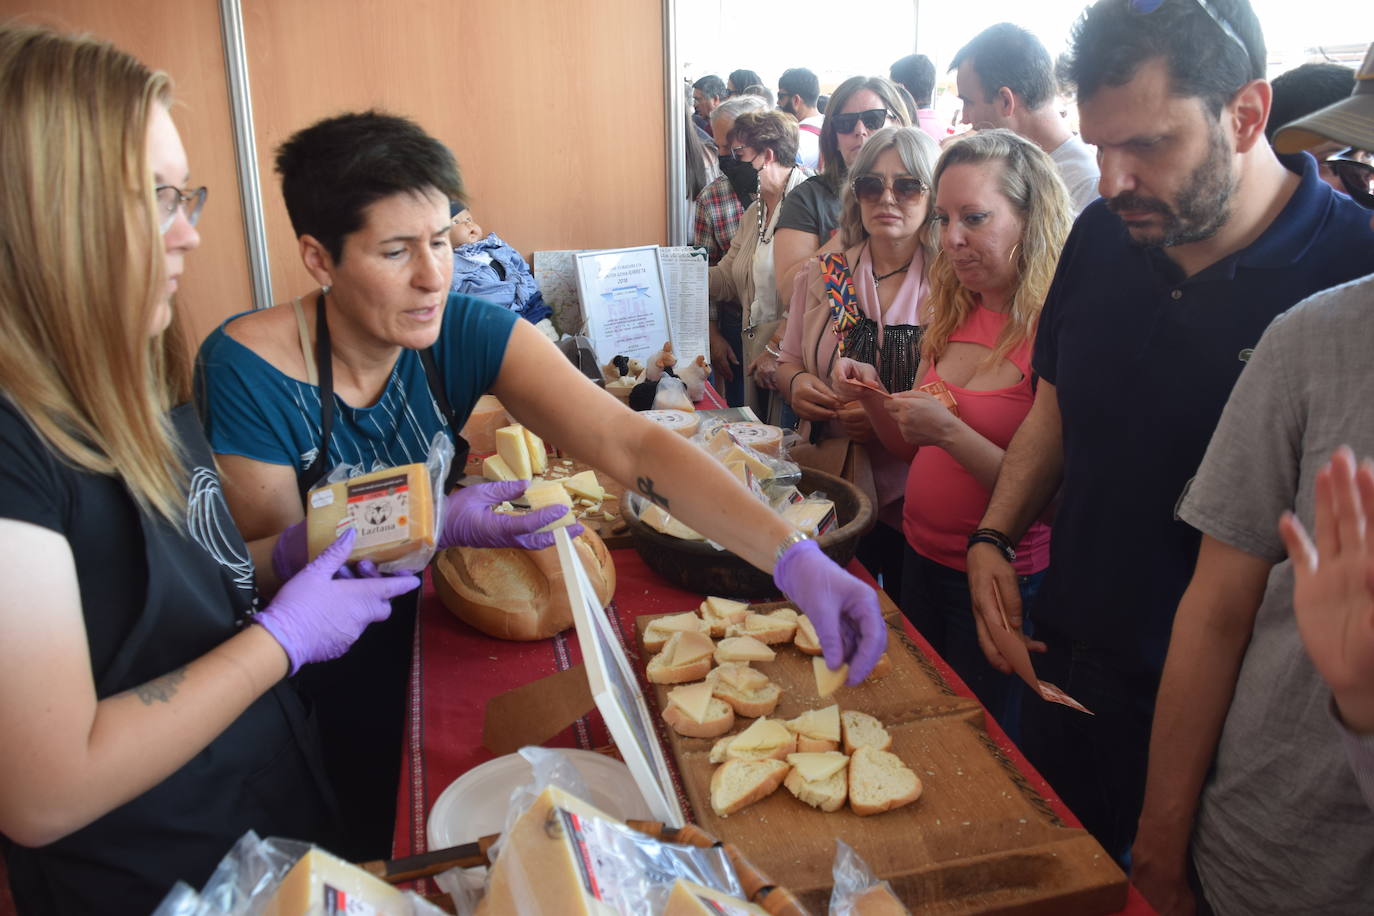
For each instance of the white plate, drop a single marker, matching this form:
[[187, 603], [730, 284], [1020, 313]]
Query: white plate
[[474, 805]]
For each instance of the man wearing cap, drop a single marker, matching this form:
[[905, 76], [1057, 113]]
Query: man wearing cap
[[1243, 716], [1163, 288]]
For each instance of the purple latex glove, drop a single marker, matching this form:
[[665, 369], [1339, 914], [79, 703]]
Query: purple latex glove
[[289, 554], [366, 569], [843, 610], [470, 522], [316, 617]]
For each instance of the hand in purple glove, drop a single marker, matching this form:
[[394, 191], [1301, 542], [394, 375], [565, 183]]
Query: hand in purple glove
[[470, 522], [316, 617], [843, 610], [289, 553]]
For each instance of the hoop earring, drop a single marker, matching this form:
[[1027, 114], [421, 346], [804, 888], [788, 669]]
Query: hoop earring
[[1011, 258]]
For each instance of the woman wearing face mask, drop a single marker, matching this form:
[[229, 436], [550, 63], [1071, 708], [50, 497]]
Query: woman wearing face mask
[[864, 302], [719, 208], [766, 142], [146, 721], [1004, 215]]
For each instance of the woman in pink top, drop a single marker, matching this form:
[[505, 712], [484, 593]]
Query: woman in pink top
[[1004, 214]]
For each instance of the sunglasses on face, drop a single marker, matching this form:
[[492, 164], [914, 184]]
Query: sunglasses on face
[[874, 119], [1145, 7], [869, 189], [170, 199]]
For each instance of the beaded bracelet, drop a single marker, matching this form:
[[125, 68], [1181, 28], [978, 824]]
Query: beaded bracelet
[[995, 538]]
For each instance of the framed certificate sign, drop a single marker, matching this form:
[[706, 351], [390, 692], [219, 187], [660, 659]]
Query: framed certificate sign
[[623, 302]]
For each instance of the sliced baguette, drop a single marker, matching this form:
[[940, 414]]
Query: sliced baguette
[[749, 692], [806, 639], [737, 784], [817, 730], [862, 730], [879, 781], [720, 613], [658, 632], [827, 793], [743, 649], [719, 719], [685, 657], [765, 739], [770, 629]]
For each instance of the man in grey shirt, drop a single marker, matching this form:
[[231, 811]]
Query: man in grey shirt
[[1285, 821], [1006, 79]]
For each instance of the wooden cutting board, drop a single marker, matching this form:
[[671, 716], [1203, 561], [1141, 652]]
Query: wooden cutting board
[[615, 533], [978, 840]]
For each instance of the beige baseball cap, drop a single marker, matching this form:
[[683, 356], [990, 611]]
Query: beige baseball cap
[[1349, 121]]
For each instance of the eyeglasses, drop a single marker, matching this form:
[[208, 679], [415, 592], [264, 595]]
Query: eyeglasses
[[1356, 176], [869, 189], [736, 150], [1146, 7], [170, 198], [874, 119]]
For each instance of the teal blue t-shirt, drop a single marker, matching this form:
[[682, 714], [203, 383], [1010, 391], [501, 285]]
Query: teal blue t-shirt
[[251, 409]]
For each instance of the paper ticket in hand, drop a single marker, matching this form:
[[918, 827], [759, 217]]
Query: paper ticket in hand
[[871, 386], [1013, 649]]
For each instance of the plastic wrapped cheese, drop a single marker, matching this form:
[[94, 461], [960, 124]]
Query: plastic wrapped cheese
[[392, 510], [321, 883]]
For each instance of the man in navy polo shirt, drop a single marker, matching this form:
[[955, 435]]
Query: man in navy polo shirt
[[1163, 289]]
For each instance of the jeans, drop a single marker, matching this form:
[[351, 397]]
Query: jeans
[[1096, 763], [935, 598], [730, 323]]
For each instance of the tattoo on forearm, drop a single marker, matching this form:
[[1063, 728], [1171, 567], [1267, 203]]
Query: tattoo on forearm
[[160, 689], [646, 486]]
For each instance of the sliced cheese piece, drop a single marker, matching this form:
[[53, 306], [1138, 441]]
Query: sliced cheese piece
[[693, 699], [486, 418], [823, 724], [724, 607], [678, 623], [827, 681], [551, 494], [815, 767], [318, 879], [743, 649], [584, 484], [514, 450], [392, 510], [495, 468], [688, 899], [743, 456], [692, 645], [739, 676], [765, 733], [539, 456]]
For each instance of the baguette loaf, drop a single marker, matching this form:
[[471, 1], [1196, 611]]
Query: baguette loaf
[[737, 784], [879, 781]]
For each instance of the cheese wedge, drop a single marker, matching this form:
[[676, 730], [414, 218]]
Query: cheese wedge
[[736, 455], [514, 450], [743, 649], [318, 879], [551, 494], [486, 418], [678, 623], [823, 724], [584, 485], [539, 456], [827, 681], [693, 699], [690, 646], [392, 510], [495, 468], [815, 767], [656, 518], [720, 613], [765, 733], [688, 899], [812, 517], [739, 676], [681, 422]]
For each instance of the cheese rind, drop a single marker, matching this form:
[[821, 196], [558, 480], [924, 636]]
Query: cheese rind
[[514, 450], [392, 511], [534, 447]]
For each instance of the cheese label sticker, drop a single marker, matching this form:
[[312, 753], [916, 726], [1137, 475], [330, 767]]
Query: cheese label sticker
[[378, 510], [337, 902], [322, 497]]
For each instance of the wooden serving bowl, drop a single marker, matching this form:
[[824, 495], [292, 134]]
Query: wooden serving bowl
[[698, 567]]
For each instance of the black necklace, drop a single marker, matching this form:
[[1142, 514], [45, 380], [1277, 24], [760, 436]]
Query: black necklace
[[900, 270]]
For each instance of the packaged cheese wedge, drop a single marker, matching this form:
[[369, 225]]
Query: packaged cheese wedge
[[689, 899], [318, 881], [392, 511]]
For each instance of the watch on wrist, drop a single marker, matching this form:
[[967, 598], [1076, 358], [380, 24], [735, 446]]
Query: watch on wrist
[[997, 539], [794, 538]]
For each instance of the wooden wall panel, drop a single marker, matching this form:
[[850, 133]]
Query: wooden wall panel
[[183, 39], [554, 110]]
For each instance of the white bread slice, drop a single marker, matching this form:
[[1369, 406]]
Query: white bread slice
[[878, 900], [743, 649], [719, 719], [806, 639], [879, 781], [750, 692], [720, 613], [658, 631], [862, 730], [769, 629], [828, 681], [737, 784], [765, 739], [819, 780], [681, 660], [688, 899]]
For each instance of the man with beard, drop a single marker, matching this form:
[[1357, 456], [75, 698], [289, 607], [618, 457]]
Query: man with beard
[[798, 90], [1162, 290], [719, 208]]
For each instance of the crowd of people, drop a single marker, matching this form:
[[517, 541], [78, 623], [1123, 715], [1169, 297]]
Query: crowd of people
[[1027, 344], [1099, 387]]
